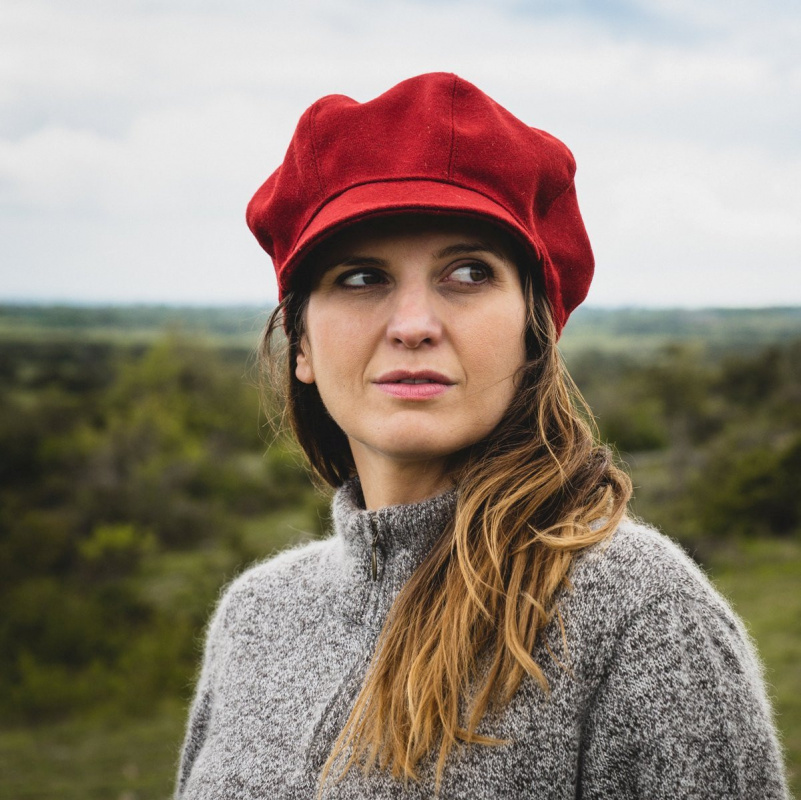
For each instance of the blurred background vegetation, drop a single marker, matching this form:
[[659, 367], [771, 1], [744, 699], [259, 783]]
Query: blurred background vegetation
[[138, 476]]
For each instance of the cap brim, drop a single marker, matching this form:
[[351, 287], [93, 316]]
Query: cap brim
[[398, 196]]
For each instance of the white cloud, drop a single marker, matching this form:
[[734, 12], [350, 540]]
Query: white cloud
[[685, 225], [144, 129]]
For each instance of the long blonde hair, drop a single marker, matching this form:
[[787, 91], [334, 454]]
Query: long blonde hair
[[530, 497]]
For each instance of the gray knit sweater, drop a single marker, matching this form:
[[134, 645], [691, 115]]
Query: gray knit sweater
[[664, 697]]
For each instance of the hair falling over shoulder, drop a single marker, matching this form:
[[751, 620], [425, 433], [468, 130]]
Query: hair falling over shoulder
[[462, 632]]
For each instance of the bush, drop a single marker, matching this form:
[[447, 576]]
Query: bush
[[753, 493], [156, 455]]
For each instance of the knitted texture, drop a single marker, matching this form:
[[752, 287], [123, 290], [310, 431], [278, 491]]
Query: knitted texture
[[660, 693]]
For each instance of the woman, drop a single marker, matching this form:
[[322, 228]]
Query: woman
[[485, 620]]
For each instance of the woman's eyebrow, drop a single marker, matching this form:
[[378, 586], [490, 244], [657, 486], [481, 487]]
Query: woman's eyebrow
[[463, 248], [361, 261], [354, 261]]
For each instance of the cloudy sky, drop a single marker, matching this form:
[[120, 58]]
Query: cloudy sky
[[133, 133]]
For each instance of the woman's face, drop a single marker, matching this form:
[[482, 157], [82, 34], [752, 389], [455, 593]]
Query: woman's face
[[414, 332]]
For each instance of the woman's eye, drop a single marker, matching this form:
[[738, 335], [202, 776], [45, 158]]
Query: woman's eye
[[359, 278], [471, 273]]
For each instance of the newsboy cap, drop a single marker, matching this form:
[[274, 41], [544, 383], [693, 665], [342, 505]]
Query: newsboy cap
[[432, 144]]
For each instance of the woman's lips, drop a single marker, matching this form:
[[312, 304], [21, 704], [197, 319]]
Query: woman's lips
[[413, 385], [414, 391]]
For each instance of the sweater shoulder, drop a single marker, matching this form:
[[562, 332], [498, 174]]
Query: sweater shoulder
[[616, 580], [286, 566], [669, 665], [282, 582], [637, 564]]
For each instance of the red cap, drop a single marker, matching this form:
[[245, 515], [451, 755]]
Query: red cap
[[434, 143]]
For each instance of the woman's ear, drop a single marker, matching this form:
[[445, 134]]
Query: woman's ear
[[303, 366]]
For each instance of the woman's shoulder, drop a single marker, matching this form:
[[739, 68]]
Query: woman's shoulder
[[672, 674], [638, 572], [637, 564], [284, 579], [638, 605]]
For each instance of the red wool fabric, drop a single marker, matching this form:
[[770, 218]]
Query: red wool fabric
[[434, 143]]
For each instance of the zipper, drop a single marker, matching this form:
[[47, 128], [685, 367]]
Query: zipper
[[374, 551]]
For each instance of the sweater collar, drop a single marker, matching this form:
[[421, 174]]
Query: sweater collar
[[389, 544]]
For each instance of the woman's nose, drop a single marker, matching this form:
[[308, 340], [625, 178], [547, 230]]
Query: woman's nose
[[414, 320]]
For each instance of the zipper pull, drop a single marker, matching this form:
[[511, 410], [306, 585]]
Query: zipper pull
[[374, 551]]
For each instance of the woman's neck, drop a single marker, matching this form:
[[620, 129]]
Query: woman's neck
[[387, 482]]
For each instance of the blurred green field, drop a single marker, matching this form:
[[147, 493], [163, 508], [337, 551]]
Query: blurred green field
[[127, 759], [132, 753], [762, 579], [134, 758]]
